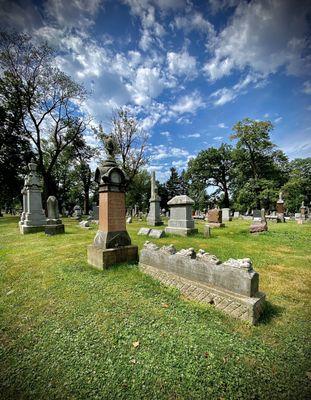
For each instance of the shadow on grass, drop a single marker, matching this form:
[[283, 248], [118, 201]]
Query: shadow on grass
[[270, 312]]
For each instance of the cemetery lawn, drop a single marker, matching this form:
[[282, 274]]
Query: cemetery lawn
[[68, 331]]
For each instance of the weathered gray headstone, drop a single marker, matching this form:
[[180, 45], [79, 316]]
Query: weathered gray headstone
[[33, 218], [236, 214], [181, 221], [156, 233], [95, 211], [54, 224], [226, 214], [154, 218], [77, 212], [129, 220]]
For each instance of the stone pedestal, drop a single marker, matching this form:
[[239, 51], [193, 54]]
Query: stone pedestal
[[154, 218], [181, 221], [112, 243], [32, 218]]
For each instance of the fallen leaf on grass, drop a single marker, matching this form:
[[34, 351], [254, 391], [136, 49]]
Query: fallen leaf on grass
[[10, 292], [133, 361], [165, 305], [135, 344], [206, 355]]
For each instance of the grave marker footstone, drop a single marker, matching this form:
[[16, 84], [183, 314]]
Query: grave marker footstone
[[156, 233]]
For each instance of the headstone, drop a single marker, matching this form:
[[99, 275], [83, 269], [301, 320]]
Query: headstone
[[156, 233], [236, 214], [54, 224], [84, 224], [214, 217], [259, 223], [280, 208], [143, 231], [129, 220], [77, 212], [303, 214], [207, 231], [112, 243], [154, 218], [95, 209], [297, 216], [181, 221], [226, 214], [33, 218]]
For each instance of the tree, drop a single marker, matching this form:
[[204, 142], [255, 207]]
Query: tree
[[130, 140], [173, 185], [298, 187], [212, 168], [15, 154], [257, 160], [138, 192], [45, 100]]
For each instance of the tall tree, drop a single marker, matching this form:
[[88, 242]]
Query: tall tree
[[173, 186], [257, 158], [45, 100], [15, 153], [130, 139], [212, 168]]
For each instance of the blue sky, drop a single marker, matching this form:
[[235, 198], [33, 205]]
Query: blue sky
[[189, 70]]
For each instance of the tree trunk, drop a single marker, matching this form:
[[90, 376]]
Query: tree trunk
[[86, 202], [226, 201]]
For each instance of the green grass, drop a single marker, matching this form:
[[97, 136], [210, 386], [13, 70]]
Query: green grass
[[67, 330]]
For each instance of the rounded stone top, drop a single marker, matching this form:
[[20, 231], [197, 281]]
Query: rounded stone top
[[180, 200]]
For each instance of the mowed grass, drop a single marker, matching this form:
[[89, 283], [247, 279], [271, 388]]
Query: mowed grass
[[67, 330]]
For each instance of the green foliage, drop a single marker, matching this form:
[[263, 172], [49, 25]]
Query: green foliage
[[43, 100], [298, 187], [173, 184], [139, 191], [67, 330], [212, 168]]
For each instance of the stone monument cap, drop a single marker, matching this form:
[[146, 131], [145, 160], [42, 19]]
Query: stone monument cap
[[280, 198], [180, 200]]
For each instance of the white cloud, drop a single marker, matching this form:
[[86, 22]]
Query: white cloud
[[266, 115], [72, 13], [262, 35], [182, 64], [161, 152], [194, 21], [194, 135], [189, 103], [222, 125], [278, 119], [307, 87], [218, 138], [226, 95], [165, 133]]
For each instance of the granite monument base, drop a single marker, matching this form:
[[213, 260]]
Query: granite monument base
[[24, 229], [54, 229], [180, 231], [104, 258]]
